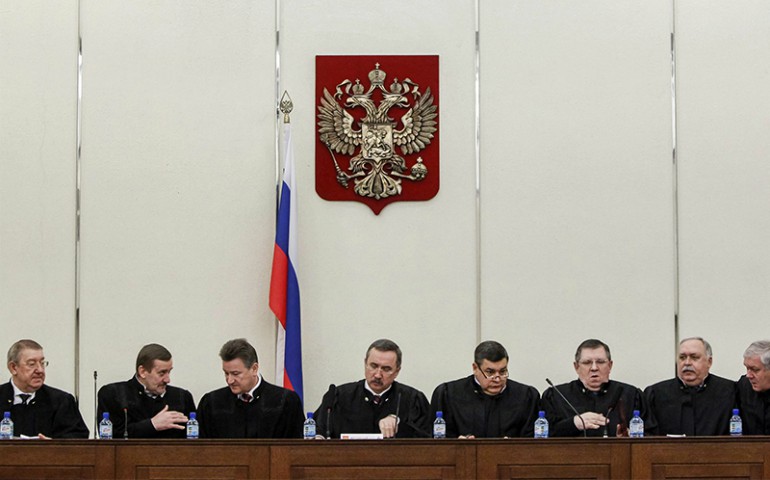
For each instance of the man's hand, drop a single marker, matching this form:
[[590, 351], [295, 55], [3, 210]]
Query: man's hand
[[389, 426], [466, 437], [591, 419], [167, 419]]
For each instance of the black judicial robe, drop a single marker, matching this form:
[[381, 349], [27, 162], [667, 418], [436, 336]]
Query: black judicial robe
[[755, 408], [622, 397], [352, 410], [692, 411], [52, 412], [113, 398], [467, 410], [274, 412]]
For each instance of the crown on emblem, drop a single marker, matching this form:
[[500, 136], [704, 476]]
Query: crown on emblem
[[377, 76]]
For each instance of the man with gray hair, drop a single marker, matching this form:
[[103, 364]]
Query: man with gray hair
[[695, 402], [754, 389], [37, 410]]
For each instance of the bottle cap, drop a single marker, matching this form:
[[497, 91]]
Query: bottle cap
[[636, 413], [309, 415], [541, 413], [7, 415], [735, 411], [106, 415], [439, 414], [192, 415]]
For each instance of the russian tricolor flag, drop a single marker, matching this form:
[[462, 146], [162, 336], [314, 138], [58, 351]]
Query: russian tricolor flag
[[284, 288]]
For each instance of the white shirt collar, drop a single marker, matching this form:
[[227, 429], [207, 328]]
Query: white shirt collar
[[251, 392], [147, 392], [366, 386], [17, 391]]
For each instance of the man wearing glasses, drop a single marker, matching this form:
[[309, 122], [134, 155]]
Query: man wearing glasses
[[378, 404], [487, 403], [38, 410], [604, 407]]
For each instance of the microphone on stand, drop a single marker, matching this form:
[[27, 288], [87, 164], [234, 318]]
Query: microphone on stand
[[585, 434], [613, 404], [125, 419], [333, 390], [96, 410]]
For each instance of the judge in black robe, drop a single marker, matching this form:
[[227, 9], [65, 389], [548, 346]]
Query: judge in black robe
[[604, 406], [469, 411], [52, 412], [700, 410], [376, 404], [754, 408], [130, 399], [351, 408], [272, 412], [37, 409], [615, 400]]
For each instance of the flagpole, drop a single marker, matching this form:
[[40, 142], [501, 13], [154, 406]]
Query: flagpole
[[285, 106]]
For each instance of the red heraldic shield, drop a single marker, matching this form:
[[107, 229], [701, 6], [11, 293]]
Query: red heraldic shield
[[377, 128]]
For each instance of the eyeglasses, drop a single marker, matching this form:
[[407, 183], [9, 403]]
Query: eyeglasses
[[32, 364], [589, 363], [494, 375]]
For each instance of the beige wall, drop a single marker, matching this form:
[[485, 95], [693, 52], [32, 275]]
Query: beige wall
[[568, 231]]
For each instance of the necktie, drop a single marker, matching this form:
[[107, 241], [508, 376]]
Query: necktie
[[24, 398], [377, 399], [245, 398]]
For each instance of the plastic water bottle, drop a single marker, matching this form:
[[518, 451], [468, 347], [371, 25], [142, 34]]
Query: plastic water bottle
[[308, 428], [541, 425], [105, 427], [736, 425], [439, 425], [636, 426], [6, 427], [192, 427]]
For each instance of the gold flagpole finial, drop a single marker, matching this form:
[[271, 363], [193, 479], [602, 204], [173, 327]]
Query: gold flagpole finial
[[286, 106]]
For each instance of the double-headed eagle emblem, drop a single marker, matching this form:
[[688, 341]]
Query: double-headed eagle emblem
[[376, 169]]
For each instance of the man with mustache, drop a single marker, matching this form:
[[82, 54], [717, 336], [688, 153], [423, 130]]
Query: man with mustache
[[376, 404], [695, 402], [154, 408], [754, 389], [487, 404], [605, 406], [37, 410]]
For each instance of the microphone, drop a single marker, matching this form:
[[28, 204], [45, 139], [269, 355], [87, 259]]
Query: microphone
[[96, 410], [124, 404], [398, 409], [333, 391], [585, 434], [613, 404]]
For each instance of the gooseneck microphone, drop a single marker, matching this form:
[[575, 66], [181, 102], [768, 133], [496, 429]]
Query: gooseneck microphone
[[333, 391], [125, 419], [585, 434], [96, 410]]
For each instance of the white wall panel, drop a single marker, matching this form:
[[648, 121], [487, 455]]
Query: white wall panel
[[723, 103], [409, 273], [576, 184], [178, 182], [38, 92]]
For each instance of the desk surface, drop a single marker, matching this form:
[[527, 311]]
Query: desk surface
[[704, 457]]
